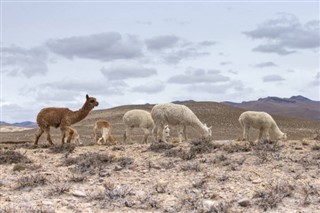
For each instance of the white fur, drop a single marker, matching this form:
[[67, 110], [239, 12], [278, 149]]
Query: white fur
[[140, 119], [176, 115], [262, 121]]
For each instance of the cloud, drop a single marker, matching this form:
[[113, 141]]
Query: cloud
[[224, 63], [265, 64], [272, 78], [172, 49], [122, 72], [195, 76], [231, 87], [68, 90], [162, 42], [150, 88], [102, 47], [18, 61], [286, 35], [316, 81]]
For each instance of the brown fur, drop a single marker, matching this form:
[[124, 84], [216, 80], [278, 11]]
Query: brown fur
[[104, 128], [72, 135], [62, 117]]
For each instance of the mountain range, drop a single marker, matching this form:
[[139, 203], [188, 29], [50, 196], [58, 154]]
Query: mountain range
[[295, 106]]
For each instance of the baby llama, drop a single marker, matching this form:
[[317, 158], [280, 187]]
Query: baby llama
[[262, 121], [176, 115], [104, 128], [62, 117]]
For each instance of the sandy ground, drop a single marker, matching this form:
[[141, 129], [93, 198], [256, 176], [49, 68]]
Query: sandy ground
[[203, 176]]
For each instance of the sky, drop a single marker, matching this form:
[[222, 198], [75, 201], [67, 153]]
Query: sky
[[53, 53]]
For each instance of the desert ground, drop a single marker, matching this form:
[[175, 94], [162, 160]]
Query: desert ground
[[220, 174]]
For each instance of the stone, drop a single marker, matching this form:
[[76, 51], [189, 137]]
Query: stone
[[244, 202], [78, 193]]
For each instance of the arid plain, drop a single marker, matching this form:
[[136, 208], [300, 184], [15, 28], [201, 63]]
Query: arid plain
[[222, 174]]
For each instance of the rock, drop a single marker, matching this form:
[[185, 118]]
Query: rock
[[208, 205], [118, 168], [255, 181], [244, 202], [78, 193]]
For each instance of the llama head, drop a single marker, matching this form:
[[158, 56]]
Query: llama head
[[91, 102], [166, 131], [283, 136], [208, 131]]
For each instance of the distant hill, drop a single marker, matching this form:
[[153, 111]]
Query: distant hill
[[296, 106], [27, 124]]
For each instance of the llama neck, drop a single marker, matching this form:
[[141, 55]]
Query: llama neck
[[79, 114], [276, 130], [198, 125]]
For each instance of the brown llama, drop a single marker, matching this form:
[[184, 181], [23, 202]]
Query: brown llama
[[104, 128], [63, 118]]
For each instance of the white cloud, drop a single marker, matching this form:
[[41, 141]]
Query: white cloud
[[194, 76], [102, 47], [286, 34], [26, 62], [121, 72], [265, 64], [272, 78], [150, 87]]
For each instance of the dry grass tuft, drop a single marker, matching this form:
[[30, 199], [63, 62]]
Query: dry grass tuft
[[9, 157], [160, 147], [31, 181], [62, 148], [59, 189], [270, 197]]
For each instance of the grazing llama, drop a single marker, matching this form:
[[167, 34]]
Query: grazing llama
[[72, 135], [176, 115], [63, 118], [140, 119], [262, 121], [104, 128]]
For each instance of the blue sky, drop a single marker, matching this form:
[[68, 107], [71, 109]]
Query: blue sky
[[55, 52]]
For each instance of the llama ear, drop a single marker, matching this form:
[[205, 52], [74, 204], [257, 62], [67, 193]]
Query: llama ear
[[87, 96]]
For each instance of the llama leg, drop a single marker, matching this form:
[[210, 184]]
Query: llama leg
[[267, 134], [246, 133], [185, 133], [47, 131], [260, 135], [105, 134], [155, 133], [125, 136], [160, 133], [63, 133], [38, 134], [145, 135], [181, 133]]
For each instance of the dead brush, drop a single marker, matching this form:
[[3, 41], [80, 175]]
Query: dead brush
[[31, 181], [269, 197], [202, 146], [9, 157], [160, 147], [191, 166], [242, 146], [62, 148], [309, 191], [267, 146], [59, 189], [181, 153]]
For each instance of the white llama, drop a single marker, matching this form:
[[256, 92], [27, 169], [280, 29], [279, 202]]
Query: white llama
[[262, 121], [176, 115]]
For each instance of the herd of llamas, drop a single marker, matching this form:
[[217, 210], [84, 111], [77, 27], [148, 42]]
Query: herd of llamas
[[157, 122]]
